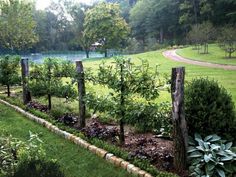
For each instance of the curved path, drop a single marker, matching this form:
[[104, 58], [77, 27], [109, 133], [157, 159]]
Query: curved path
[[172, 55]]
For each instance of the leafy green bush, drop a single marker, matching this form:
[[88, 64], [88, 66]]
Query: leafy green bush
[[9, 71], [14, 150], [150, 116], [28, 159], [38, 168], [209, 109], [211, 157]]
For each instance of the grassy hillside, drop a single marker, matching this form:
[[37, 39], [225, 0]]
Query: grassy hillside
[[216, 55], [225, 78]]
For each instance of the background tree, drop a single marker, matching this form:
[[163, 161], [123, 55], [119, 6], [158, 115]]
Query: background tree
[[9, 72], [202, 34], [193, 36], [150, 19], [227, 40], [17, 26], [104, 24]]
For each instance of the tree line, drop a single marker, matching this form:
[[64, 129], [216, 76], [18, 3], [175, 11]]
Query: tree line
[[134, 25]]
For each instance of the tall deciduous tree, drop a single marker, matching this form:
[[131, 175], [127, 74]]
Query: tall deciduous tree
[[9, 71], [17, 25], [104, 24], [155, 19]]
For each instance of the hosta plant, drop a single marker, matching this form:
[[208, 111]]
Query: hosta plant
[[211, 156]]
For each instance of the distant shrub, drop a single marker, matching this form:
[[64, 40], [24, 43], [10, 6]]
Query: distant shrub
[[209, 109], [134, 46]]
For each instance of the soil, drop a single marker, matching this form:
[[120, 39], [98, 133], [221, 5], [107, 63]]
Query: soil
[[159, 151]]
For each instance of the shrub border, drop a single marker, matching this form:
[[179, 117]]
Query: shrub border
[[109, 157]]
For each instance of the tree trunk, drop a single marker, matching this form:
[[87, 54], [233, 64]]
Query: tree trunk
[[25, 74], [87, 53], [82, 93], [49, 102], [106, 54], [230, 53], [122, 105], [8, 91], [161, 35], [180, 134]]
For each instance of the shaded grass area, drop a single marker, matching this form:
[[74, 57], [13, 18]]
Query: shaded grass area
[[75, 161], [216, 55]]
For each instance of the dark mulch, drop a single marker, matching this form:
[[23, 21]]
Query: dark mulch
[[159, 151], [38, 106]]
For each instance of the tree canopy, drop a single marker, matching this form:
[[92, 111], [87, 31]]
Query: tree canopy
[[17, 26], [104, 24]]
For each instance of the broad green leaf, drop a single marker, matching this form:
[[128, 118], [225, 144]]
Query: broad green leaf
[[195, 154], [208, 138], [197, 137], [215, 138], [191, 149], [220, 172], [207, 158], [228, 145], [226, 158], [214, 147]]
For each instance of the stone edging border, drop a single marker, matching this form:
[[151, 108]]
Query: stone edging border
[[111, 158]]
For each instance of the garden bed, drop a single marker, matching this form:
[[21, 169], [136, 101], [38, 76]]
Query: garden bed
[[146, 146]]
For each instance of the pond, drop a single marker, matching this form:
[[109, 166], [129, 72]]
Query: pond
[[72, 56]]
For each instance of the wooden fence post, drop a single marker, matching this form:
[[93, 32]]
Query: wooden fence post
[[180, 133], [25, 74], [81, 91]]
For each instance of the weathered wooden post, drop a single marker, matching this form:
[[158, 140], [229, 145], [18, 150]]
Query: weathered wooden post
[[25, 74], [81, 91], [180, 134]]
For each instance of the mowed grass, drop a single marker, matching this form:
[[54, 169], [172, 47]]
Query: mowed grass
[[215, 55], [226, 78], [75, 161]]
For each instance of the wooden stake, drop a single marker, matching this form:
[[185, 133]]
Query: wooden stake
[[25, 74], [180, 134], [82, 93]]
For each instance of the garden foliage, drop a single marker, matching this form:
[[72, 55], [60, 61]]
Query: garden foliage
[[9, 71], [209, 109], [28, 159], [211, 156], [46, 79], [128, 85]]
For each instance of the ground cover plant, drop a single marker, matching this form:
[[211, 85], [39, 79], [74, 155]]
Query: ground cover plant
[[211, 156], [26, 158]]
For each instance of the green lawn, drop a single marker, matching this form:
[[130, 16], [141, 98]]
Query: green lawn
[[224, 77], [76, 161], [216, 55]]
